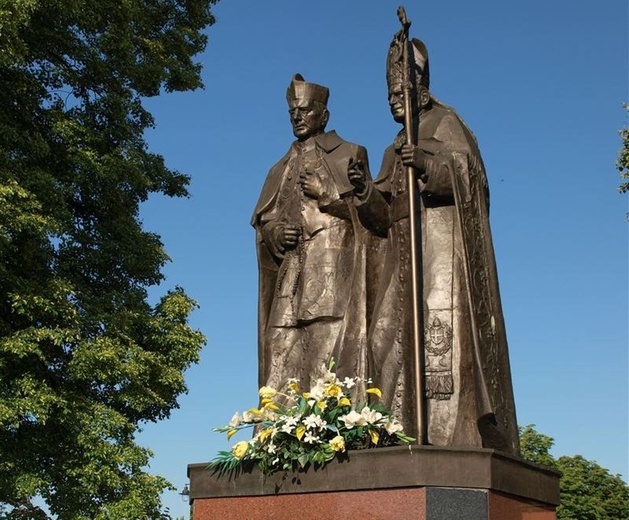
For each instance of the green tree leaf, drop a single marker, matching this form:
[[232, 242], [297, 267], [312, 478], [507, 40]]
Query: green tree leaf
[[588, 491], [535, 446], [85, 359]]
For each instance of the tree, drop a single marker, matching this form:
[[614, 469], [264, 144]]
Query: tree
[[588, 491], [85, 359], [535, 446]]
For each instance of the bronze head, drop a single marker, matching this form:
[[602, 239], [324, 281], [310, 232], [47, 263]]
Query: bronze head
[[307, 106], [419, 76]]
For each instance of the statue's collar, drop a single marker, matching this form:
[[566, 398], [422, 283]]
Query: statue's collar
[[327, 141]]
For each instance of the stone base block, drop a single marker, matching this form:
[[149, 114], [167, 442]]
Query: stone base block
[[422, 483]]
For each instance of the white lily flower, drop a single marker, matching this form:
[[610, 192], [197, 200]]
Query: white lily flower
[[293, 420], [236, 420], [310, 438], [313, 421], [352, 419], [392, 426], [317, 392], [370, 416], [327, 376], [349, 382]]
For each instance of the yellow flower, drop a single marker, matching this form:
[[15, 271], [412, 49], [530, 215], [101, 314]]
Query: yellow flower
[[344, 401], [375, 436], [239, 450], [306, 395], [333, 390], [321, 405], [338, 443], [252, 415], [264, 434], [374, 391], [231, 433], [266, 392], [299, 432], [293, 386], [270, 405]]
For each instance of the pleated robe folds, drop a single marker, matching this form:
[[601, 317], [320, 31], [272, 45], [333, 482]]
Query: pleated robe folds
[[467, 381], [311, 299]]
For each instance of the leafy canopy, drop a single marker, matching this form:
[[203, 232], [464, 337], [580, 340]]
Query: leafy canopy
[[588, 491], [85, 359]]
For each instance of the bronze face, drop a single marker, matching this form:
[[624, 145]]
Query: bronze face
[[308, 118], [396, 102]]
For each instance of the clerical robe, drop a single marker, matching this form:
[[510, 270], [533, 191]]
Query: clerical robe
[[311, 298], [466, 377]]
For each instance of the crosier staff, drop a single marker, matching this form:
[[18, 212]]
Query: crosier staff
[[415, 237]]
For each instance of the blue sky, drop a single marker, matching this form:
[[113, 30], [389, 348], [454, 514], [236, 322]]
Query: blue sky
[[540, 83]]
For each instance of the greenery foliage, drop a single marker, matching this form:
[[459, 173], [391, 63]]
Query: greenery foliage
[[296, 429], [588, 491], [84, 358]]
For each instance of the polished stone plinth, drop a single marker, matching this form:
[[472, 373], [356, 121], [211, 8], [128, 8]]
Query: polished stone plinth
[[423, 483]]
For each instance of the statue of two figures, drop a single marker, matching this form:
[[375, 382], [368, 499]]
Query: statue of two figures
[[398, 287]]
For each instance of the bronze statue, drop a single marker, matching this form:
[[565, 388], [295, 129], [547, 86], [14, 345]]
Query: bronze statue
[[461, 364], [311, 253]]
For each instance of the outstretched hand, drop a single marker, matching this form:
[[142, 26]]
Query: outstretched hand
[[357, 176]]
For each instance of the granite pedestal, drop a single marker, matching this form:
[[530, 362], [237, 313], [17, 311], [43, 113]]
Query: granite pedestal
[[423, 483]]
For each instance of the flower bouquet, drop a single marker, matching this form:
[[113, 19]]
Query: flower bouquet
[[294, 429]]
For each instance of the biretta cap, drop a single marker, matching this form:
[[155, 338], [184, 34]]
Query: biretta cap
[[300, 90]]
